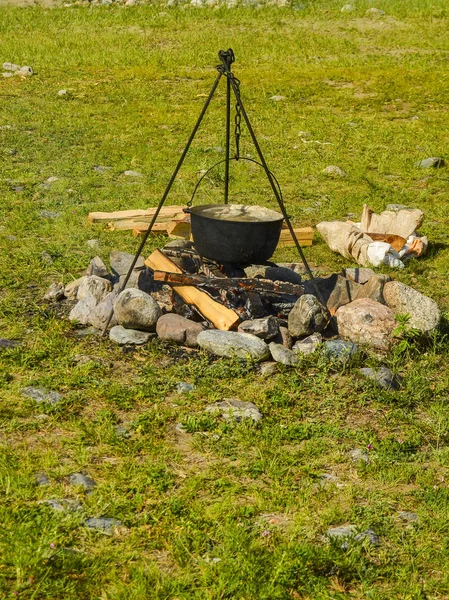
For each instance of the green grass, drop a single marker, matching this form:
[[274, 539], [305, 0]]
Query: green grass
[[136, 79]]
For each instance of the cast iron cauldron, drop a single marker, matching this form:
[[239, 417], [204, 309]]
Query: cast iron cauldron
[[235, 233]]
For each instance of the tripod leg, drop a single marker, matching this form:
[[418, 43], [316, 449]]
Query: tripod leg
[[167, 190], [228, 139], [275, 190]]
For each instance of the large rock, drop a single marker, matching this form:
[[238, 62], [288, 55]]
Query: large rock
[[265, 329], [231, 343], [383, 376], [307, 316], [308, 345], [359, 274], [82, 311], [402, 299], [99, 316], [94, 286], [335, 291], [98, 268], [283, 355], [71, 289], [178, 329], [367, 322], [120, 262], [122, 336], [135, 309], [373, 288]]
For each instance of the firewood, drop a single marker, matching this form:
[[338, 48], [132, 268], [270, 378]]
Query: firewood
[[245, 284], [167, 213], [220, 316], [304, 235]]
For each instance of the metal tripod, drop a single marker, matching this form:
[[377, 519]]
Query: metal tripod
[[226, 57]]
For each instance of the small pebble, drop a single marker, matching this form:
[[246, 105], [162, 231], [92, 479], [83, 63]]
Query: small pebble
[[104, 525], [278, 98], [82, 480], [42, 395], [62, 92], [358, 455], [49, 214], [132, 174], [8, 344], [46, 257], [42, 479], [183, 387]]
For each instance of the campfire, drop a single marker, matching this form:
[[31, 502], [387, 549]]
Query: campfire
[[213, 286]]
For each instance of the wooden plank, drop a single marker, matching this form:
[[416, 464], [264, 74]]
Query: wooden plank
[[304, 235], [167, 213], [220, 316], [180, 229], [246, 284]]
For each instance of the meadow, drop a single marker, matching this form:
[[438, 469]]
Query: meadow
[[219, 510]]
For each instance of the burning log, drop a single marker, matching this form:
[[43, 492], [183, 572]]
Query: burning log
[[230, 283], [220, 316]]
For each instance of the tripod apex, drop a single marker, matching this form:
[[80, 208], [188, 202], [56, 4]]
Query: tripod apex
[[227, 57]]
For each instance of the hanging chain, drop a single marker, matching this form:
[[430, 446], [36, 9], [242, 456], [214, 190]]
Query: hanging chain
[[237, 118], [227, 58]]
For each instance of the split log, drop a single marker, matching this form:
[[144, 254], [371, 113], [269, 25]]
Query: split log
[[220, 316], [244, 284], [166, 214], [304, 235]]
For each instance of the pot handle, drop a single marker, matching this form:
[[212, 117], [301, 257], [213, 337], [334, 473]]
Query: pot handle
[[198, 183]]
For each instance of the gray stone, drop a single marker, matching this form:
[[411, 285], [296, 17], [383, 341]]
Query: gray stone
[[132, 174], [25, 71], [99, 316], [42, 395], [49, 214], [46, 257], [230, 344], [135, 309], [368, 535], [81, 312], [265, 329], [62, 92], [233, 409], [102, 169], [268, 368], [359, 274], [366, 322], [375, 12], [178, 329], [347, 8], [278, 98], [373, 289], [93, 244], [434, 162], [358, 455], [284, 338], [283, 355], [383, 377], [334, 171], [329, 479], [8, 74], [308, 345], [408, 517], [8, 344], [42, 479], [98, 268], [98, 287], [348, 534], [402, 299], [82, 480], [120, 262], [340, 350], [183, 387], [179, 243], [63, 504], [307, 316], [10, 66], [55, 292], [104, 525], [335, 290], [71, 289], [123, 336]]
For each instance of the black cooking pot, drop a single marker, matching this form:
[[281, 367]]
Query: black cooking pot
[[235, 233]]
